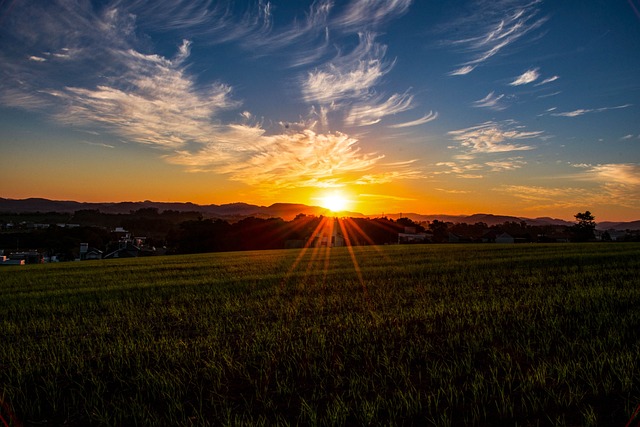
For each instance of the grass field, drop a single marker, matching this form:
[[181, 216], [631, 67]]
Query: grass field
[[396, 335]]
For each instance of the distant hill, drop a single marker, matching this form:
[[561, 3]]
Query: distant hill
[[286, 211], [608, 225], [489, 219]]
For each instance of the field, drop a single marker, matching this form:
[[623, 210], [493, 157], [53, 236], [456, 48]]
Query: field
[[396, 335]]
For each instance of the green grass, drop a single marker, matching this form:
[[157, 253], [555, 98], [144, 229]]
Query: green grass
[[415, 335]]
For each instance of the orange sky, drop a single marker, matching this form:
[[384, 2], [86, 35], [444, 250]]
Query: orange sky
[[402, 106]]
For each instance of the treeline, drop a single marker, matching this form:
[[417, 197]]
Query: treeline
[[174, 232]]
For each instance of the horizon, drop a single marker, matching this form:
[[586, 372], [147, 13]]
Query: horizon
[[364, 214], [528, 109]]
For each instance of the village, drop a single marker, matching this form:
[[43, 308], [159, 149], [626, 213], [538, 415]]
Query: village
[[92, 235]]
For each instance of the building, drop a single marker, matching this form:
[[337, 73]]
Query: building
[[89, 253], [21, 258], [6, 261], [329, 236], [505, 238], [411, 236]]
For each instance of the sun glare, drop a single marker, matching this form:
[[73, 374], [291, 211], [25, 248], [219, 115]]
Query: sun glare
[[335, 202]]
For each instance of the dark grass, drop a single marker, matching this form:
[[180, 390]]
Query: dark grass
[[416, 335]]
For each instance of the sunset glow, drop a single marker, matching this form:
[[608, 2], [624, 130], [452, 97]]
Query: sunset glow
[[510, 107], [335, 201]]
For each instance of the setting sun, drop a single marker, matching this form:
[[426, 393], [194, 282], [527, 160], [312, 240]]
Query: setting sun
[[335, 202]]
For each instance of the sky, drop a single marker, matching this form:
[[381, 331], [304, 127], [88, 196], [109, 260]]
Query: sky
[[528, 108]]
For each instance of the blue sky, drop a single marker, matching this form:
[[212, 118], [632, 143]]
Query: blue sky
[[529, 108]]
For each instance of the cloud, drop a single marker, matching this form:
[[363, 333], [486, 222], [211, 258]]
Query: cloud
[[153, 101], [98, 144], [550, 95], [549, 80], [37, 59], [128, 90], [347, 76], [616, 184], [429, 117], [462, 170], [347, 84], [538, 197], [386, 177], [370, 13], [506, 165], [583, 111], [444, 190], [462, 71], [611, 184], [492, 137], [615, 173], [386, 197], [620, 182], [527, 77], [364, 114], [493, 27], [298, 159], [490, 101]]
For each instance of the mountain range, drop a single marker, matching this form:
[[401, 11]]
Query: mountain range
[[286, 211]]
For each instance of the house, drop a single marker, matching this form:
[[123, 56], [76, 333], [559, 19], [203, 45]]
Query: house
[[404, 238], [456, 238], [505, 238], [88, 253], [126, 249]]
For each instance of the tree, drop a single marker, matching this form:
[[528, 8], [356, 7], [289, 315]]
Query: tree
[[584, 230], [440, 231]]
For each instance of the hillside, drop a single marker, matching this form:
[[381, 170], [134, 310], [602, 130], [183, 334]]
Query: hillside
[[286, 211]]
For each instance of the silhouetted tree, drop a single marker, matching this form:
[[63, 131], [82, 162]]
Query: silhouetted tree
[[440, 231], [408, 222], [584, 230]]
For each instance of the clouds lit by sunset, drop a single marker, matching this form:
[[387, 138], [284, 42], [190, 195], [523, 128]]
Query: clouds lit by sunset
[[527, 108]]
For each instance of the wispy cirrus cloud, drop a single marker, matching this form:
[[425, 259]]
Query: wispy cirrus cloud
[[494, 26], [388, 172], [459, 169], [349, 76], [364, 114], [98, 144], [527, 77], [449, 191], [152, 102], [548, 80], [298, 159], [494, 137], [153, 99], [616, 184], [429, 117], [491, 101], [370, 13], [385, 197], [614, 173], [539, 197], [583, 111], [347, 83], [506, 164]]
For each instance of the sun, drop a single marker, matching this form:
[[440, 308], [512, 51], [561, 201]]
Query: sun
[[335, 201]]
